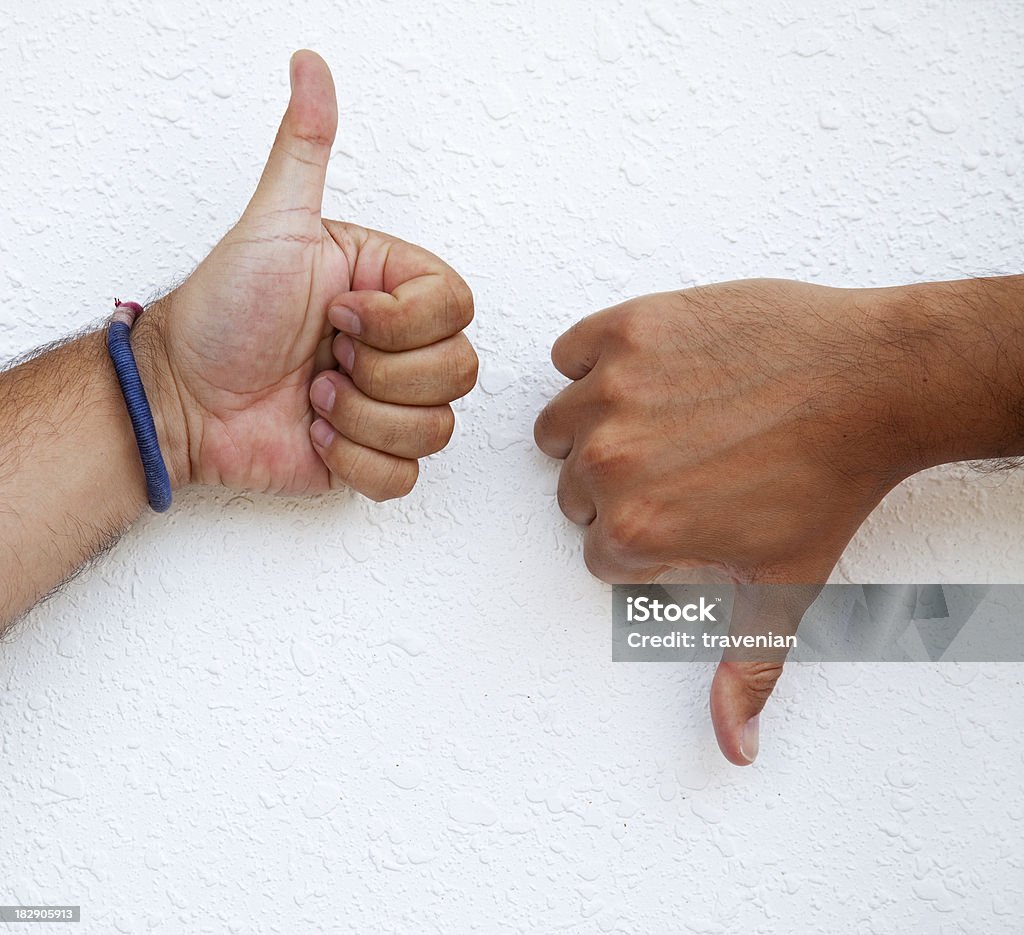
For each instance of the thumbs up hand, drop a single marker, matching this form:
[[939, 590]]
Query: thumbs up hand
[[305, 354]]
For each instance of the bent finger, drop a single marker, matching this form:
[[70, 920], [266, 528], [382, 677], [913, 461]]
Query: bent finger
[[418, 312], [426, 376], [605, 557], [574, 500], [375, 474], [576, 351], [559, 421], [405, 431]]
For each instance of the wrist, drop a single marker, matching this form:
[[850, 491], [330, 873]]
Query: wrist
[[958, 354], [165, 400]]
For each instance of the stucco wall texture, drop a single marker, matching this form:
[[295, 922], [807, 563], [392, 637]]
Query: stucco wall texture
[[289, 716]]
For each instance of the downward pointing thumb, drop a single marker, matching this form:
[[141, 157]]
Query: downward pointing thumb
[[293, 177], [746, 677], [738, 694]]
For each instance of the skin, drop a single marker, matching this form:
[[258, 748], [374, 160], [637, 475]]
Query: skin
[[303, 355], [738, 432], [742, 432]]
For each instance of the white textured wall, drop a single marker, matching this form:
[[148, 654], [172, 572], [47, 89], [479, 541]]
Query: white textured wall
[[261, 715]]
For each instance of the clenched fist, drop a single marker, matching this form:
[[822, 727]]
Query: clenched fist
[[743, 432]]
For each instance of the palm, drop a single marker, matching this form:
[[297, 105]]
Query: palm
[[249, 329], [252, 347]]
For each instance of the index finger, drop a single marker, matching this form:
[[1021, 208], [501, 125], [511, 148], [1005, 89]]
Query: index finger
[[575, 353], [402, 296]]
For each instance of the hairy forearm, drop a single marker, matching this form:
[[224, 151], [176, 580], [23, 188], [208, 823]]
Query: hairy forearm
[[70, 476], [961, 376]]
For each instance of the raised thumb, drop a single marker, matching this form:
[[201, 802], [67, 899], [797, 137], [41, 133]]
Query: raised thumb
[[293, 178]]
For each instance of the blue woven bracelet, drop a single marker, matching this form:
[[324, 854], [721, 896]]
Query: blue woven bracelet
[[158, 484]]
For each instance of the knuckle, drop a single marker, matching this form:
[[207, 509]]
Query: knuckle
[[337, 482], [312, 136], [458, 304], [575, 331], [391, 327], [759, 679], [557, 351], [370, 372], [573, 499], [612, 389], [443, 428], [471, 369], [399, 481], [432, 430], [562, 495], [387, 435], [592, 565], [344, 462], [397, 327], [601, 456], [596, 560], [413, 325], [543, 426], [627, 531], [358, 421], [620, 319], [340, 466], [565, 344], [630, 326], [461, 366]]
